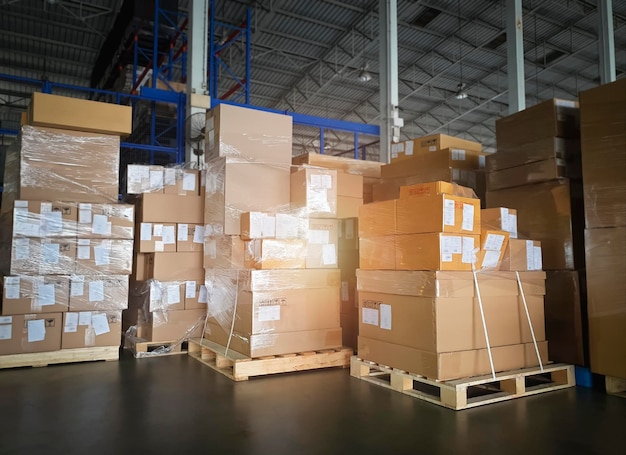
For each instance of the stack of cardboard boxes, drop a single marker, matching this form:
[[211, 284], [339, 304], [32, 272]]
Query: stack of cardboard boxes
[[270, 251], [167, 296], [66, 244], [427, 265], [603, 136], [537, 170]]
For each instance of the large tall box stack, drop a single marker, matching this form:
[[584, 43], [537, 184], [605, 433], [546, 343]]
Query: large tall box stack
[[437, 157], [168, 299], [65, 241], [271, 238], [427, 267], [603, 137], [537, 171]]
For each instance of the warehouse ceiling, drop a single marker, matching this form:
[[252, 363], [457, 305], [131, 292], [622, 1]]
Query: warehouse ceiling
[[307, 56]]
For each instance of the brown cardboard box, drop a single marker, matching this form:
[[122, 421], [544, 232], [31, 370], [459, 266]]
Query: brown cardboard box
[[270, 280], [551, 213], [189, 237], [175, 266], [603, 136], [174, 325], [349, 329], [522, 255], [44, 219], [49, 256], [157, 237], [349, 185], [543, 149], [183, 182], [565, 297], [377, 219], [140, 270], [106, 221], [79, 115], [275, 254], [224, 252], [291, 226], [500, 219], [196, 297], [368, 169], [438, 213], [431, 163], [348, 207], [30, 333], [35, 294], [144, 178], [435, 188], [348, 234], [248, 135], [93, 328], [236, 188], [108, 257], [449, 365], [378, 253], [492, 247], [606, 306], [314, 192], [98, 292], [552, 118], [432, 143], [170, 208], [322, 244], [435, 251], [165, 296], [539, 171], [257, 225], [23, 118]]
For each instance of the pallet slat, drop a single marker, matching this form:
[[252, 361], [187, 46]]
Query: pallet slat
[[240, 368], [469, 392], [42, 359], [615, 386], [141, 348]]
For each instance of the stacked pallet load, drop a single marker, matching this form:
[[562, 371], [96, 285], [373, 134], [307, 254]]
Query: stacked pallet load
[[537, 170], [603, 136], [270, 247], [167, 302], [66, 243], [437, 157]]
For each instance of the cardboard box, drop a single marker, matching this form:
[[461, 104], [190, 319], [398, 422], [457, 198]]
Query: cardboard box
[[349, 329], [106, 221], [378, 253], [248, 135], [79, 115], [522, 255], [35, 294], [44, 219], [276, 254], [432, 143], [104, 257], [174, 325], [144, 178], [196, 296], [170, 208], [157, 237], [257, 225], [314, 192], [539, 171], [349, 185], [236, 188], [98, 292], [543, 149], [552, 118], [224, 252], [31, 256], [175, 266], [368, 169], [291, 226], [189, 237], [322, 244], [165, 296], [348, 207], [271, 280], [140, 270], [436, 251], [432, 163], [450, 365], [348, 234], [492, 248], [30, 333], [182, 182], [377, 219], [435, 188], [438, 213], [90, 329], [606, 307], [500, 219]]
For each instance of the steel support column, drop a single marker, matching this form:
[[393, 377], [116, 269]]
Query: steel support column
[[390, 121], [515, 56], [606, 41]]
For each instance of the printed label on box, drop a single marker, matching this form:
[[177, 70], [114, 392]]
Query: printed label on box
[[203, 295], [408, 150], [370, 316], [84, 318], [12, 287], [52, 222], [530, 255], [169, 235], [458, 155], [448, 212], [96, 291], [6, 331], [77, 286], [494, 242], [146, 232], [468, 217], [71, 323], [329, 254], [190, 290], [446, 257], [269, 313], [101, 225], [385, 316], [490, 260], [469, 255], [36, 330], [158, 230], [100, 324], [345, 294], [189, 181], [451, 244], [45, 294], [158, 246], [173, 294], [22, 249], [513, 225], [101, 255], [183, 232], [198, 234], [169, 176], [537, 260], [156, 180]]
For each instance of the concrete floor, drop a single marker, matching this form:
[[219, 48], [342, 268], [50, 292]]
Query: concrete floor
[[175, 405]]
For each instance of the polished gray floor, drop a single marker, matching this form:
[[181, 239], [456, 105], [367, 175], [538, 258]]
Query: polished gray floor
[[175, 405]]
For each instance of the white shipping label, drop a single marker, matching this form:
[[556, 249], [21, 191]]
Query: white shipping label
[[538, 262], [505, 222], [345, 293], [490, 260], [96, 291], [448, 212], [432, 148], [100, 324], [481, 161], [327, 181], [190, 289], [210, 248], [83, 252], [513, 225], [156, 180], [451, 244], [6, 319], [50, 253], [189, 181], [458, 155], [158, 246], [36, 330], [169, 235], [446, 257], [329, 254], [315, 181], [52, 222], [28, 229], [183, 232], [349, 224], [84, 215], [494, 242], [146, 232], [469, 254], [101, 225], [169, 176], [84, 318], [385, 316], [173, 294], [408, 150], [45, 294], [45, 207], [319, 237], [530, 255], [77, 286], [71, 323], [6, 331], [203, 295], [12, 287], [158, 230], [468, 217], [269, 313], [400, 147], [394, 151], [20, 204], [22, 249], [268, 226], [370, 316], [198, 234], [101, 254], [137, 173]]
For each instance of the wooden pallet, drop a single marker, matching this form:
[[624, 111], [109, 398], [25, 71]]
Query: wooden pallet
[[142, 348], [43, 359], [615, 386], [239, 367], [469, 392]]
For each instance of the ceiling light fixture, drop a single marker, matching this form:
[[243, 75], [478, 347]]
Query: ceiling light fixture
[[364, 75], [460, 94]]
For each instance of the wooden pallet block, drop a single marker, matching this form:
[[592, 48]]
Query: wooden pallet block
[[42, 359], [615, 386], [142, 348], [469, 392], [240, 368]]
